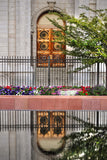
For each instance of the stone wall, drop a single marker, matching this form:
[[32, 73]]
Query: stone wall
[[4, 27], [16, 25]]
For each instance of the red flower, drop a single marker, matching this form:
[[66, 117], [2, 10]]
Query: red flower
[[8, 87], [86, 94], [87, 86], [30, 88], [83, 87], [34, 87]]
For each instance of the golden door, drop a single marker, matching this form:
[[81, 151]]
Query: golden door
[[51, 124], [47, 47]]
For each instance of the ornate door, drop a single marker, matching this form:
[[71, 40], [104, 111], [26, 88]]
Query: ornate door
[[46, 47], [51, 124], [51, 129]]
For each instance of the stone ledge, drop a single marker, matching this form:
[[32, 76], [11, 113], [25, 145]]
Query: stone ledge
[[54, 103]]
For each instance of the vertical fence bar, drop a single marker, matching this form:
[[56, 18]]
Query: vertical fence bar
[[34, 71], [2, 69], [49, 71], [30, 77], [106, 75], [25, 74], [97, 118], [48, 120], [31, 120], [97, 74]]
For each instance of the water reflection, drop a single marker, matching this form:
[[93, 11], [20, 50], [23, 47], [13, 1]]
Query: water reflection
[[20, 145]]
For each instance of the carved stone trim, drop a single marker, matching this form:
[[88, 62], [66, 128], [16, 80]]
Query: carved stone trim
[[51, 5], [32, 29], [35, 15]]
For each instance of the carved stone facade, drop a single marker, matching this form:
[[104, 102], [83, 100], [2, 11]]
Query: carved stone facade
[[18, 19]]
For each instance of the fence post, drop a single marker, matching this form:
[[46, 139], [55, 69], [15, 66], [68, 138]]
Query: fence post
[[31, 120], [97, 74], [49, 71], [48, 120], [97, 118], [106, 75], [34, 71]]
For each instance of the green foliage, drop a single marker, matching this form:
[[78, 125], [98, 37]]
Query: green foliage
[[89, 144], [87, 36], [98, 90]]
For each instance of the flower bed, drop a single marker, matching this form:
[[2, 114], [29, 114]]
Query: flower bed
[[67, 100], [53, 90]]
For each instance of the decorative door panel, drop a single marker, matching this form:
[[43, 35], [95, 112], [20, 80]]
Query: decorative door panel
[[43, 124], [47, 47], [43, 47], [58, 121], [51, 124]]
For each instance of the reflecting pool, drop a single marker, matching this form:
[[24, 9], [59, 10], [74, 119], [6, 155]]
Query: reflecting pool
[[20, 144]]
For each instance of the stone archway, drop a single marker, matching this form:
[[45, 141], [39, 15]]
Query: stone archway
[[34, 21], [46, 45], [51, 129]]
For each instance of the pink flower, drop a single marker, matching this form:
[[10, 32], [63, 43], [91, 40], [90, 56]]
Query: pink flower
[[59, 86], [53, 93]]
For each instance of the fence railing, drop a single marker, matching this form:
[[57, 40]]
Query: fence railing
[[29, 119], [30, 71]]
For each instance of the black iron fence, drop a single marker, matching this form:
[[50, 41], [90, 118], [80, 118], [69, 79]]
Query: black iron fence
[[29, 119], [44, 72]]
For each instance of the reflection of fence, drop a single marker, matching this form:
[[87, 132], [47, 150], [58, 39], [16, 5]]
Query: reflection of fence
[[35, 72], [29, 119]]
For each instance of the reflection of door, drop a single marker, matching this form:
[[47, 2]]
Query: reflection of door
[[47, 47], [51, 124], [51, 129]]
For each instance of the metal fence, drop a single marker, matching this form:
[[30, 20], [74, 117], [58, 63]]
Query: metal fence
[[29, 119], [30, 71]]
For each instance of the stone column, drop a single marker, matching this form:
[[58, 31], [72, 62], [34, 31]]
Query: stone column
[[4, 145], [23, 145], [3, 27], [12, 145], [12, 28], [77, 8], [23, 27]]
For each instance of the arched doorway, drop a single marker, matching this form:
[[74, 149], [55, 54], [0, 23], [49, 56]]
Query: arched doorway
[[51, 129], [46, 47]]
